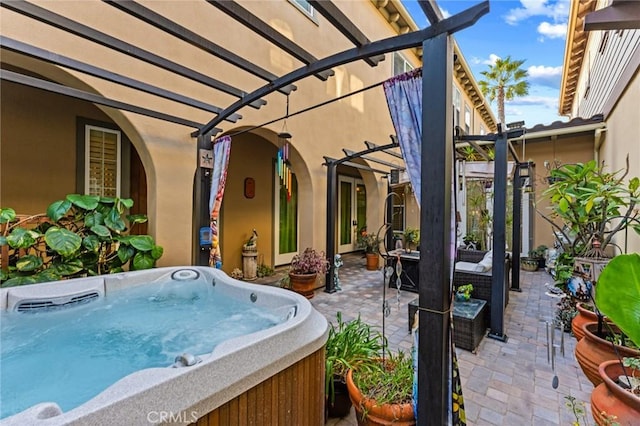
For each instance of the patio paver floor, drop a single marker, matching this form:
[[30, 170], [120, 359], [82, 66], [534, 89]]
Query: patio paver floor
[[504, 383]]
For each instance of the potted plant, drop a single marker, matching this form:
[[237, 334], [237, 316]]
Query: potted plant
[[382, 393], [411, 238], [589, 206], [350, 345], [463, 292], [304, 271], [538, 253], [529, 264], [79, 236], [618, 297], [371, 245], [586, 313]]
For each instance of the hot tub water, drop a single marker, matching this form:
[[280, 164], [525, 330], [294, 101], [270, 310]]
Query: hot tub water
[[70, 355]]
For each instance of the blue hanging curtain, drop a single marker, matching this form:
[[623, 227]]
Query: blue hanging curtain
[[221, 152], [404, 98]]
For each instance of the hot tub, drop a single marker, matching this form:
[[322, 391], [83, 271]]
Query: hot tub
[[271, 372]]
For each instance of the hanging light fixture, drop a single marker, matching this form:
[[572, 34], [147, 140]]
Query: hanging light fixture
[[282, 163]]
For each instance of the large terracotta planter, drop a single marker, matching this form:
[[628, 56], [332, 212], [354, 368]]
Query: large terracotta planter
[[584, 316], [305, 284], [372, 261], [609, 398], [378, 415], [591, 351]]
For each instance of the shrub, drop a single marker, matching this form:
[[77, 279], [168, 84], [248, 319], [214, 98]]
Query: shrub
[[82, 235]]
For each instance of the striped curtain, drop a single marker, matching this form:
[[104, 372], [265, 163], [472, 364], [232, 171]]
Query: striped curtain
[[221, 152]]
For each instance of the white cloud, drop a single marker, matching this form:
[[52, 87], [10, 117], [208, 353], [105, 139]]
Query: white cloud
[[545, 76], [557, 10], [485, 61], [445, 13], [548, 102], [552, 30]]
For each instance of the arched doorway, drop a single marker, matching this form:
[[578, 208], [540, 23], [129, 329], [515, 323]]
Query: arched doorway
[[272, 208], [67, 145]]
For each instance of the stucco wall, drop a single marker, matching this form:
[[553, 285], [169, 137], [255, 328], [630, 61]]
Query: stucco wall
[[623, 138], [565, 149], [38, 135], [167, 150], [240, 215]]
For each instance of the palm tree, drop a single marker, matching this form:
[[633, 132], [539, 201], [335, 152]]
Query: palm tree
[[504, 81]]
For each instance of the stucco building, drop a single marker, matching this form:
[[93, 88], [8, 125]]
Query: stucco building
[[96, 99]]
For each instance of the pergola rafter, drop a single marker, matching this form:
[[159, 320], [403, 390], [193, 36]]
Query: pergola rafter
[[436, 45]]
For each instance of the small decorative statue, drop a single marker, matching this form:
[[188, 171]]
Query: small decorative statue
[[337, 263], [252, 239]]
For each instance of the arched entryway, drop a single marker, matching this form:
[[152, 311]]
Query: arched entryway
[[278, 206], [54, 145]]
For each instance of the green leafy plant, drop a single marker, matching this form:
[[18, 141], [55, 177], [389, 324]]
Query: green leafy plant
[[263, 270], [618, 297], [565, 312], [563, 269], [538, 252], [618, 294], [592, 204], [464, 291], [580, 413], [469, 153], [390, 382], [350, 345], [369, 242], [472, 239], [79, 236], [411, 237], [633, 381]]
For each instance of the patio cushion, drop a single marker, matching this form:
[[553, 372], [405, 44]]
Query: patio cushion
[[469, 267], [487, 261]]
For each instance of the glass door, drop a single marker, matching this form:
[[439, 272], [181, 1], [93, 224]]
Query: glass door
[[352, 212], [286, 221]]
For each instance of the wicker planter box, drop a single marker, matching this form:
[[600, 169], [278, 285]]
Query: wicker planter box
[[468, 322]]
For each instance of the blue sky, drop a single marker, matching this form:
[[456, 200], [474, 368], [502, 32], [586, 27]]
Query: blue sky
[[533, 30]]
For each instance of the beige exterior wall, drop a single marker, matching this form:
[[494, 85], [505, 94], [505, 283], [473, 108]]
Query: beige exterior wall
[[38, 146], [622, 139], [564, 150], [36, 132], [610, 72]]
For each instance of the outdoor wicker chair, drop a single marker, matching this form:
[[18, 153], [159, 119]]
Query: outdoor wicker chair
[[481, 281]]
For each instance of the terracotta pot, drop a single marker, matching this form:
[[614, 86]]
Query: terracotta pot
[[372, 261], [305, 284], [592, 350], [378, 415], [584, 316], [608, 398]]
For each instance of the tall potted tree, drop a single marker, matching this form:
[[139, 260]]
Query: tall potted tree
[[589, 207]]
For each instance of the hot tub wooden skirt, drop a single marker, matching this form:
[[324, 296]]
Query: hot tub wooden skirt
[[294, 396]]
